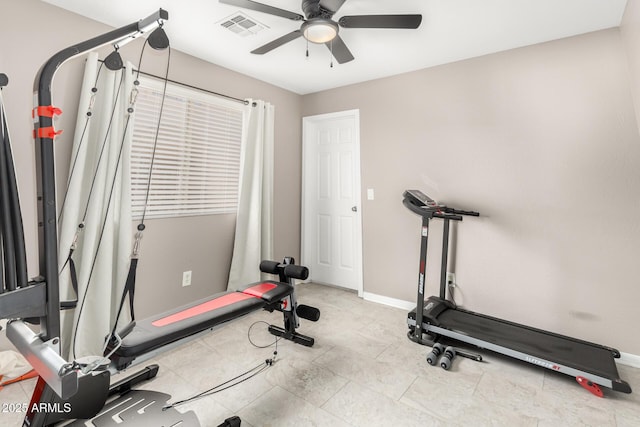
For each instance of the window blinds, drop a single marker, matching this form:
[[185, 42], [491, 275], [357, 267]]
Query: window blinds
[[197, 155]]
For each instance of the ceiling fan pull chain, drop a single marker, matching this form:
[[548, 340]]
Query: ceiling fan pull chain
[[307, 48]]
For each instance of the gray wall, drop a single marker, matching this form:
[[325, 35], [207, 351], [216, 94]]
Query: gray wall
[[543, 142], [630, 30], [33, 31]]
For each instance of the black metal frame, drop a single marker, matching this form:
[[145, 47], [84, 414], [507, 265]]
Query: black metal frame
[[14, 260], [287, 271], [40, 298], [412, 201], [45, 163]]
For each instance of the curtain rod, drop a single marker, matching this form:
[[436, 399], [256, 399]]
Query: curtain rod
[[233, 98]]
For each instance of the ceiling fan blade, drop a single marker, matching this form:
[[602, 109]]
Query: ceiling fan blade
[[277, 42], [381, 21], [339, 50], [254, 5], [332, 5]]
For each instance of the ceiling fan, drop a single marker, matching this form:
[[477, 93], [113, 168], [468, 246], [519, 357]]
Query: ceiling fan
[[318, 25]]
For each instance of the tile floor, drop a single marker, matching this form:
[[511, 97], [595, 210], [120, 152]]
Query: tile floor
[[363, 371]]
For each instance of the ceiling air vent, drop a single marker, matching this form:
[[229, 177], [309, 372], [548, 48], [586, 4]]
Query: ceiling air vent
[[242, 24]]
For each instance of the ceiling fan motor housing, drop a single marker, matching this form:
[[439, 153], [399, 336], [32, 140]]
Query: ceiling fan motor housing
[[312, 9]]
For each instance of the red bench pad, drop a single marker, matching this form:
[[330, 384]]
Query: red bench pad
[[189, 319], [268, 290]]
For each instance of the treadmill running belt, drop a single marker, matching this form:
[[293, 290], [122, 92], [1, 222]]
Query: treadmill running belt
[[536, 343]]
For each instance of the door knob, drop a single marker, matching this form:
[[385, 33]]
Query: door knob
[[354, 209]]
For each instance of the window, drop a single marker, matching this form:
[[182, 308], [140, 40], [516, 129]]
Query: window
[[197, 157]]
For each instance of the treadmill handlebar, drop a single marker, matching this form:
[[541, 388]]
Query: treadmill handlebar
[[447, 216], [459, 212]]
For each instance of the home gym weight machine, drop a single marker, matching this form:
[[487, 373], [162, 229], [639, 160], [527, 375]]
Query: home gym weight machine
[[591, 364], [79, 389]]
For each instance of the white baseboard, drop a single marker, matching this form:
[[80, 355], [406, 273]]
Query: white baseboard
[[393, 302], [627, 359]]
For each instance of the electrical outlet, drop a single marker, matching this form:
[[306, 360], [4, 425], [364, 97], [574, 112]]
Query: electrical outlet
[[186, 278], [451, 279]]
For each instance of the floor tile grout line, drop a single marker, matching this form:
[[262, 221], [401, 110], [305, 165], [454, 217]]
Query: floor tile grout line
[[475, 388], [334, 394], [410, 385]]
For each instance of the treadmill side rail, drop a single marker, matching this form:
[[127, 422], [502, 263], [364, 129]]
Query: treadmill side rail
[[621, 386]]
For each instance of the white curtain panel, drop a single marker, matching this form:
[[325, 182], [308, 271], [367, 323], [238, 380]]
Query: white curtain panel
[[99, 193], [254, 224]]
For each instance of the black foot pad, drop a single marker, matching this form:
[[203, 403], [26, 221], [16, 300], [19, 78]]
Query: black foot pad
[[308, 312], [140, 408]]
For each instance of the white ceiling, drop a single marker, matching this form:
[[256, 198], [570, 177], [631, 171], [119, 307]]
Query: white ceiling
[[451, 30]]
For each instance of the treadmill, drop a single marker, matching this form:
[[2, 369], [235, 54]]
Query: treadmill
[[591, 364]]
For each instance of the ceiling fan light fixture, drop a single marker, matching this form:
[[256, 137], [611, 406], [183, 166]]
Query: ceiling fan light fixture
[[319, 30]]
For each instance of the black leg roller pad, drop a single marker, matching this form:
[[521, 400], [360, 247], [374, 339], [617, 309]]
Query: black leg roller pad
[[308, 312]]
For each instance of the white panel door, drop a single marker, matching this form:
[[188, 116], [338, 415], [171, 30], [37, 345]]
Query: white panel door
[[332, 231]]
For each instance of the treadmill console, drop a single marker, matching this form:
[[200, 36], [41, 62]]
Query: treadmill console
[[418, 198]]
